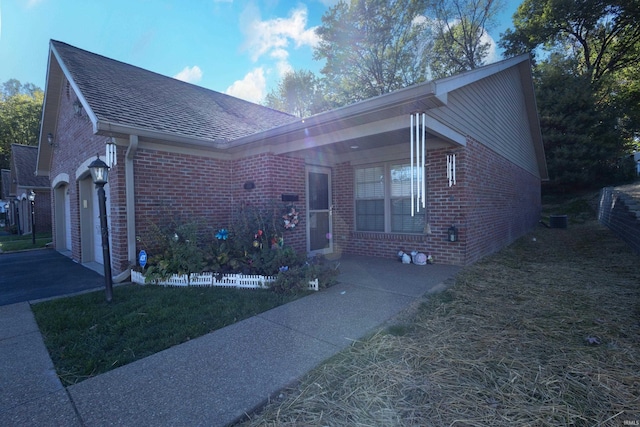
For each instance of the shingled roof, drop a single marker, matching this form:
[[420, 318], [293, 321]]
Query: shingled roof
[[122, 94], [23, 167]]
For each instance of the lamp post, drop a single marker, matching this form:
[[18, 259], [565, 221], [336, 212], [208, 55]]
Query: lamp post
[[6, 216], [32, 201], [18, 216], [99, 173]]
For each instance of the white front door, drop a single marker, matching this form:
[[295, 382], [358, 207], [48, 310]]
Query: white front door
[[319, 211]]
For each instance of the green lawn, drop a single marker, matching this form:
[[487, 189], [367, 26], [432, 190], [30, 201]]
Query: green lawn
[[86, 336], [14, 242]]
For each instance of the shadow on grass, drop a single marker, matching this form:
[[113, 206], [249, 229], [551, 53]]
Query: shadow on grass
[[87, 336]]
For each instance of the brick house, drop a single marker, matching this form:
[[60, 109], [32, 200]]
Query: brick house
[[182, 149], [18, 182]]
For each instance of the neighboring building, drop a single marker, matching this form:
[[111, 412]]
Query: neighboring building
[[6, 196], [19, 181], [185, 150]]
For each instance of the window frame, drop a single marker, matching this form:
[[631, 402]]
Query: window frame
[[388, 198]]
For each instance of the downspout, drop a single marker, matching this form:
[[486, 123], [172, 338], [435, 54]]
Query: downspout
[[131, 207]]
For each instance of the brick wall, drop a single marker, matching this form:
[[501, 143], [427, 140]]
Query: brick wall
[[503, 202], [621, 213], [75, 143], [199, 187], [175, 189], [493, 203], [273, 176]]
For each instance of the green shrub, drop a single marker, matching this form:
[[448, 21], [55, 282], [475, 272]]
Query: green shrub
[[253, 244]]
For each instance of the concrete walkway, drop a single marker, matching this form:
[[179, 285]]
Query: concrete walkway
[[215, 379]]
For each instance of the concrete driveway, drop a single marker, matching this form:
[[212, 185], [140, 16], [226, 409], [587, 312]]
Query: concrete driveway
[[33, 275]]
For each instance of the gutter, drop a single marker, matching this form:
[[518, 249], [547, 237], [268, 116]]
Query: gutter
[[130, 202]]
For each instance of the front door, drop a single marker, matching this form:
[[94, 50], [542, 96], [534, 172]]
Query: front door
[[319, 227]]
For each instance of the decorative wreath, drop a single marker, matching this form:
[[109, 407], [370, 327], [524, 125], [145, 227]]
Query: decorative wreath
[[290, 218]]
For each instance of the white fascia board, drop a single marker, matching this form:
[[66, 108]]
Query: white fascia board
[[146, 134]]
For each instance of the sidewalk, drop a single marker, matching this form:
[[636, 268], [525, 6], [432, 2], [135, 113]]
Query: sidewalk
[[215, 379]]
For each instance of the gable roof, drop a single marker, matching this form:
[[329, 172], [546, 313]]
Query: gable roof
[[391, 111], [123, 99], [23, 166], [117, 95]]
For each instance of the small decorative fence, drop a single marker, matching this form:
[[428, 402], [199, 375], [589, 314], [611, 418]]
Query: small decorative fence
[[243, 281]]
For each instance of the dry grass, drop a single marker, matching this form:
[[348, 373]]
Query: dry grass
[[544, 333]]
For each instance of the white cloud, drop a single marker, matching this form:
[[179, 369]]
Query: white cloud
[[263, 37], [251, 88], [189, 74], [492, 54]]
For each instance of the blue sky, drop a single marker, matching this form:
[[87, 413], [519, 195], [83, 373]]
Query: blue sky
[[239, 47]]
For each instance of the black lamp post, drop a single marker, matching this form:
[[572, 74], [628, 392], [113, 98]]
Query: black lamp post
[[18, 216], [99, 173], [32, 201]]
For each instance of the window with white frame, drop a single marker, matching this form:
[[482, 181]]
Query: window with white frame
[[383, 199]]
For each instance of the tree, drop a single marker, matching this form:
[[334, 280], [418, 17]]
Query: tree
[[591, 47], [581, 139], [370, 48], [20, 113], [602, 35], [460, 27], [298, 93]]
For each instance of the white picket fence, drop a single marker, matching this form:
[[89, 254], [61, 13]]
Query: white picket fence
[[243, 281]]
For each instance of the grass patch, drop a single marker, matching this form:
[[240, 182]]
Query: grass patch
[[546, 332], [14, 242], [86, 336]]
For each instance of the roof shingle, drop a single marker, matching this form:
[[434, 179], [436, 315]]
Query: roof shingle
[[23, 165], [123, 94]]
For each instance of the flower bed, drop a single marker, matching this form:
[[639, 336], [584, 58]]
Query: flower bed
[[244, 281]]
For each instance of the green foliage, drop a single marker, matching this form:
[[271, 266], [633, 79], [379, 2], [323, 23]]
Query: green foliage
[[459, 26], [587, 88], [20, 112], [582, 137], [299, 93], [369, 48], [601, 35], [296, 279], [181, 255], [253, 244]]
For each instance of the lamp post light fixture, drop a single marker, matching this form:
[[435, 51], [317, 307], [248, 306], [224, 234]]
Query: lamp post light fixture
[[32, 201], [99, 174]]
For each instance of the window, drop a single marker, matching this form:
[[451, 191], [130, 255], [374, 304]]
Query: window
[[370, 199], [383, 200]]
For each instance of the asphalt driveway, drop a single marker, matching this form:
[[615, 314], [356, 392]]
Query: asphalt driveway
[[32, 275]]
